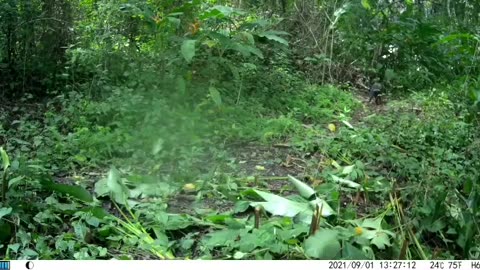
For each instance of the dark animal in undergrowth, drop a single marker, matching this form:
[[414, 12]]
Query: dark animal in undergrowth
[[375, 93]]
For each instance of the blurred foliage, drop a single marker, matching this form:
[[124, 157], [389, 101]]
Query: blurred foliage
[[155, 129]]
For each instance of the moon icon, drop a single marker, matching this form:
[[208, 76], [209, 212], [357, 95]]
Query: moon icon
[[29, 265]]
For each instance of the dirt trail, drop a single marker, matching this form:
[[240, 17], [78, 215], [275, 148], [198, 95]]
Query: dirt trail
[[368, 108]]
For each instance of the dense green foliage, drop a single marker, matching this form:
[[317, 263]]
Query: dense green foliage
[[239, 129]]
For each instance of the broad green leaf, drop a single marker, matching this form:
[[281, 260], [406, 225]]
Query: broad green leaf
[[98, 212], [366, 4], [373, 232], [247, 50], [348, 169], [101, 187], [304, 190], [323, 245], [219, 12], [12, 182], [75, 191], [280, 206], [188, 49], [118, 190], [210, 43], [211, 14], [215, 95], [5, 211], [381, 240], [346, 182], [322, 204], [221, 238], [14, 247], [274, 37], [373, 223], [30, 253], [351, 252], [276, 32], [5, 159], [246, 37], [225, 10]]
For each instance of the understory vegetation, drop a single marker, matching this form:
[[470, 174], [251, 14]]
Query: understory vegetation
[[218, 129]]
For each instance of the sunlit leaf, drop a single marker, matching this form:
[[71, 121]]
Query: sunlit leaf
[[373, 223], [372, 231], [335, 164], [304, 190], [280, 206], [346, 182], [347, 124], [5, 159], [4, 211], [366, 4], [348, 169], [322, 204], [118, 190], [188, 49]]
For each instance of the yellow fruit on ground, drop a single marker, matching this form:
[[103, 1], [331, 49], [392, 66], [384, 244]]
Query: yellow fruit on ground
[[332, 127], [189, 187]]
